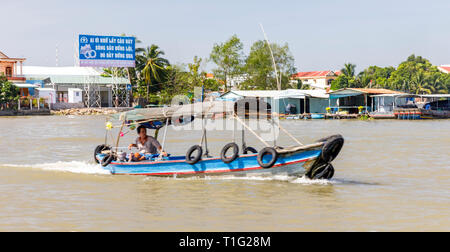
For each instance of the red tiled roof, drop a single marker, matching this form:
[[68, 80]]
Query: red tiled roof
[[311, 74], [445, 68], [371, 90], [209, 75]]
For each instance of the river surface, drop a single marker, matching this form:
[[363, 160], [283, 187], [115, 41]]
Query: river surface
[[390, 176]]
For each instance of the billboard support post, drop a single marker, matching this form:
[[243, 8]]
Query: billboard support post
[[106, 52]]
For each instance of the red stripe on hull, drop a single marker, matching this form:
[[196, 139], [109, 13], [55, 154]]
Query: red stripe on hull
[[214, 171]]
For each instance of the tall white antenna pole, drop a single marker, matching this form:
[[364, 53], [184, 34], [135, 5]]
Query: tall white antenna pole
[[57, 60], [273, 58]]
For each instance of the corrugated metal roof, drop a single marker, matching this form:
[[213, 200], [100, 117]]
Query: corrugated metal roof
[[70, 75], [63, 71], [366, 91], [289, 93], [435, 95]]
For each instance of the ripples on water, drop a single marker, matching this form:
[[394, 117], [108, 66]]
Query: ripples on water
[[391, 175]]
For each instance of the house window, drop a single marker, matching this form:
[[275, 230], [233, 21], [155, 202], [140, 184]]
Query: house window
[[8, 72]]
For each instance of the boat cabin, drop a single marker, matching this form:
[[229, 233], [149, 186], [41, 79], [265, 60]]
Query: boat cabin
[[290, 101], [351, 100]]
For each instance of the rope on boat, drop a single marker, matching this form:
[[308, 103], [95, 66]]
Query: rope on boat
[[289, 134], [252, 131]]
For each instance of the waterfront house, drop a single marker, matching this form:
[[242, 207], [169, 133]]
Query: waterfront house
[[96, 90], [12, 68], [352, 99], [316, 79], [304, 101]]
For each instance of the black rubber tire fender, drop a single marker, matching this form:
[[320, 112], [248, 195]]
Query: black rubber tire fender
[[266, 151], [233, 157], [193, 160], [107, 160], [330, 173], [98, 150], [249, 149], [331, 147], [322, 172]]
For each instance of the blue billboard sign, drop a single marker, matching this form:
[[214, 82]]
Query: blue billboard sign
[[107, 51]]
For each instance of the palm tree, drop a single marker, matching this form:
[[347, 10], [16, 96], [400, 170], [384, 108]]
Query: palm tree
[[438, 87], [152, 66], [114, 72], [349, 70], [421, 83]]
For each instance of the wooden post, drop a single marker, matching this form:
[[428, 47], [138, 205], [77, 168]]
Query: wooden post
[[118, 136], [365, 101]]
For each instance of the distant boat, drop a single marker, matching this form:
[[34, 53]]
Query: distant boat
[[317, 116]]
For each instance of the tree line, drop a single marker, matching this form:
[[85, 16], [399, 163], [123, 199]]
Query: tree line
[[157, 80], [416, 75]]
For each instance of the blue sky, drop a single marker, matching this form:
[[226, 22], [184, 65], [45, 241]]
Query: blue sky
[[322, 34]]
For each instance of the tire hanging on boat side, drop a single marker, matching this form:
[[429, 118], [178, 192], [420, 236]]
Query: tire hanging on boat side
[[331, 147], [267, 151], [107, 160], [322, 168], [98, 150], [325, 171], [235, 155], [193, 160]]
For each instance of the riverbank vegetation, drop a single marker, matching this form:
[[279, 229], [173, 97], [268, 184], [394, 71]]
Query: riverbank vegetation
[[416, 75], [9, 94], [156, 80]]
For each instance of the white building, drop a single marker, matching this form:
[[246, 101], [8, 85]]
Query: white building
[[234, 81], [95, 89]]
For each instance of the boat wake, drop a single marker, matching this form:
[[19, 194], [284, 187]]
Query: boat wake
[[282, 178], [80, 167], [71, 166]]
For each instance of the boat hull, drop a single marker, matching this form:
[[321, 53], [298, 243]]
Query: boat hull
[[292, 164]]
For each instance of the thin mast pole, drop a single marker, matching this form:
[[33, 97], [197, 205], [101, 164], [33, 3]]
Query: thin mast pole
[[164, 137], [273, 58]]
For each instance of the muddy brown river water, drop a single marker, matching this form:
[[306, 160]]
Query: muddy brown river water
[[390, 176]]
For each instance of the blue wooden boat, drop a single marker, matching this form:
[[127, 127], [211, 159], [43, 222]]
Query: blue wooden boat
[[313, 160], [317, 116]]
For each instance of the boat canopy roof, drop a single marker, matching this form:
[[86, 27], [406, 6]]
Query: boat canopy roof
[[198, 109], [246, 108]]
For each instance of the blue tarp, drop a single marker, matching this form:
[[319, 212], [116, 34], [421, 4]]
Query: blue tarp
[[337, 96]]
